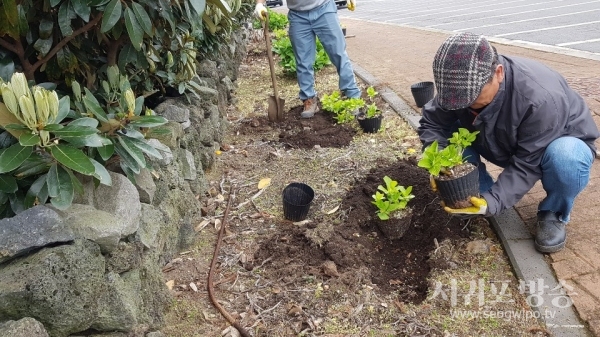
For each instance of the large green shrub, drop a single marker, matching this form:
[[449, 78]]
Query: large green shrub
[[73, 77], [282, 46]]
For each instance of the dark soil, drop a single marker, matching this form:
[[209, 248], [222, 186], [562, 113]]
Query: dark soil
[[360, 251], [296, 132]]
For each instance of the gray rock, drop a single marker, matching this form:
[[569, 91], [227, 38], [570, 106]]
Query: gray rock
[[121, 199], [118, 309], [126, 257], [25, 327], [164, 150], [229, 86], [208, 94], [150, 226], [93, 224], [173, 113], [155, 334], [173, 131], [186, 124], [188, 167], [145, 186], [59, 286], [33, 228]]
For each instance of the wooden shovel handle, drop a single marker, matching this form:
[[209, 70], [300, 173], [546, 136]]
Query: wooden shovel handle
[[271, 62]]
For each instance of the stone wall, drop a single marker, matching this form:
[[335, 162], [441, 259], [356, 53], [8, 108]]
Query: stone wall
[[95, 269]]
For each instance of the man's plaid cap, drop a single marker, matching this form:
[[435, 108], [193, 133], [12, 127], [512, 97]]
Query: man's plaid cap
[[461, 67]]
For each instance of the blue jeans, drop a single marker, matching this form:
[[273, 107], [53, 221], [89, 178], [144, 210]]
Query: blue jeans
[[565, 165], [321, 22]]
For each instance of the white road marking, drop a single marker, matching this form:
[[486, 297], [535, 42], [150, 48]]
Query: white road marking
[[577, 42], [527, 20], [548, 28], [512, 14]]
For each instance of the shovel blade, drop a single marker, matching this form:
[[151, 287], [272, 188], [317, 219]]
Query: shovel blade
[[276, 110]]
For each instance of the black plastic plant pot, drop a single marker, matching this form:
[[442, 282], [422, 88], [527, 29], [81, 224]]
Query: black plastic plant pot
[[371, 125], [297, 198], [456, 193], [422, 92]]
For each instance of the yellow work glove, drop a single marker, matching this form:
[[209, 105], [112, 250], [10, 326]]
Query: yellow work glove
[[351, 5], [479, 208], [260, 11]]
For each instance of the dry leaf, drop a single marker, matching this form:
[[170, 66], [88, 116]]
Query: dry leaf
[[264, 183], [170, 284], [201, 225], [218, 224], [295, 310], [333, 210], [330, 269], [395, 282], [193, 286]]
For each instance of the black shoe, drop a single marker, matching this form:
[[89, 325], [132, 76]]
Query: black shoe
[[550, 235]]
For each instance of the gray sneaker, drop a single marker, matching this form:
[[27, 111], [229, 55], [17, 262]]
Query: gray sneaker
[[310, 108]]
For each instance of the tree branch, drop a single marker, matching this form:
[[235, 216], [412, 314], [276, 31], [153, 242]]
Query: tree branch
[[7, 45], [62, 43]]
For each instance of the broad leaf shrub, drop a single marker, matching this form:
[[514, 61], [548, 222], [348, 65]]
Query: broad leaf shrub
[[282, 46], [52, 140], [74, 74]]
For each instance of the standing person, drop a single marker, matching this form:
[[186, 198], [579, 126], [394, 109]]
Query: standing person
[[309, 19], [530, 122]]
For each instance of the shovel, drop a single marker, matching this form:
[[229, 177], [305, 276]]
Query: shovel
[[275, 103]]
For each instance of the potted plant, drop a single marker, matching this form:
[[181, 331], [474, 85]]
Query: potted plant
[[456, 179], [371, 116], [391, 201]]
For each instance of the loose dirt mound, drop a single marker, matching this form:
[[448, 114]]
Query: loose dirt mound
[[357, 243]]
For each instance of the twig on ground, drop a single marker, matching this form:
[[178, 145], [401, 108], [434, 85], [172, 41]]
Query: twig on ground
[[251, 198]]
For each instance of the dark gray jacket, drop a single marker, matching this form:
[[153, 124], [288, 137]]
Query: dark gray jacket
[[533, 107]]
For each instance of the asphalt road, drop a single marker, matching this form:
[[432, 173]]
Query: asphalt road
[[571, 25]]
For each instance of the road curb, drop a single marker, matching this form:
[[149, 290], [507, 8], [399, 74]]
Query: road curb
[[528, 264]]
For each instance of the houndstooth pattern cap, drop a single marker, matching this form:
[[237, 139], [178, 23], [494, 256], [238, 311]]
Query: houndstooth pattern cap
[[461, 67]]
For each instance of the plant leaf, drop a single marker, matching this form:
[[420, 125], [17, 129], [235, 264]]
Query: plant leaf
[[60, 187], [142, 18], [28, 139], [85, 121], [8, 183], [148, 121], [112, 14], [82, 9], [73, 158], [133, 150], [106, 151], [64, 19], [7, 118], [135, 31], [199, 6], [14, 156], [75, 131], [102, 173], [77, 185], [64, 104], [91, 103], [37, 193], [127, 160]]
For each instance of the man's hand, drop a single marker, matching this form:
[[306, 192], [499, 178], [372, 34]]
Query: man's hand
[[260, 11], [479, 208], [352, 5]]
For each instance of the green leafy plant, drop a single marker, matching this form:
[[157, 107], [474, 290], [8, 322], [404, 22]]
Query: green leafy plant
[[391, 197], [371, 110], [443, 161], [282, 46], [341, 108], [276, 21]]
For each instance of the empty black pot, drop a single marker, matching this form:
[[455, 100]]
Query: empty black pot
[[422, 92], [371, 125], [297, 198]]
